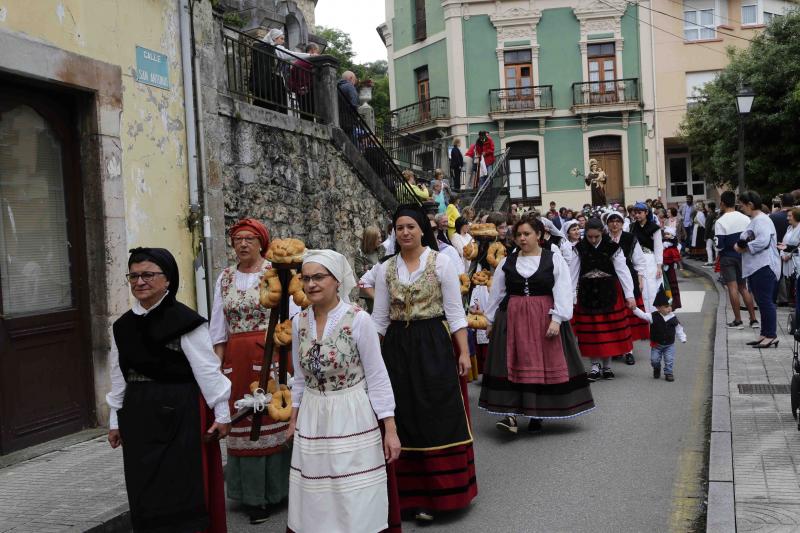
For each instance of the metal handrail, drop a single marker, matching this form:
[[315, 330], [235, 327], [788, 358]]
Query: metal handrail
[[422, 112], [367, 143], [606, 92], [526, 98], [260, 74], [496, 182]]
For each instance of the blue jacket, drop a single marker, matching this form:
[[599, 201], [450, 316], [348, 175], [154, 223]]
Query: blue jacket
[[349, 91]]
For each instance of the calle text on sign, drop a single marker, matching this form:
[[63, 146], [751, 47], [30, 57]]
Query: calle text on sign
[[152, 68]]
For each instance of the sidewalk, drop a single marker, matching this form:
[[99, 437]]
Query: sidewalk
[[754, 464]]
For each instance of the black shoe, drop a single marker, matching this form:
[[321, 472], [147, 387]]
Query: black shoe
[[608, 374], [754, 343], [629, 359], [669, 377], [423, 516], [656, 372], [736, 324], [258, 515], [534, 425], [594, 375], [754, 324], [507, 423]]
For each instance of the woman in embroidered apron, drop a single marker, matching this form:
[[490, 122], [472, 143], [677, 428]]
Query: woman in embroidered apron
[[338, 480], [165, 382], [648, 234], [257, 473], [637, 265], [534, 367], [417, 296], [600, 318]]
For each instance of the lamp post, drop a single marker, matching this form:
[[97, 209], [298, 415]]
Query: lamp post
[[744, 102]]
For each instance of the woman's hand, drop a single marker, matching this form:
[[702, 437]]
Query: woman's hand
[[659, 271], [631, 303], [391, 442], [464, 364], [738, 248], [114, 438], [221, 430], [553, 329]]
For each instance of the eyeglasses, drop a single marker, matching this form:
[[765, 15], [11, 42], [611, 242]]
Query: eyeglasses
[[248, 240], [147, 277], [316, 278]]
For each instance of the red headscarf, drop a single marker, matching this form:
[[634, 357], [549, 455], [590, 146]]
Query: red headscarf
[[256, 227]]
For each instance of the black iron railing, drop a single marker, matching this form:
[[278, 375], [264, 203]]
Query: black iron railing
[[420, 113], [267, 76], [608, 92], [529, 98], [373, 151], [493, 194], [411, 151]]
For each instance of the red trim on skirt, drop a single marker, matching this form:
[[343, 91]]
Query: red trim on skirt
[[213, 478], [640, 329], [601, 336]]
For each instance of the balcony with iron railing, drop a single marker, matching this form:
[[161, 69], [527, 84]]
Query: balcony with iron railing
[[607, 95], [535, 101], [429, 113]]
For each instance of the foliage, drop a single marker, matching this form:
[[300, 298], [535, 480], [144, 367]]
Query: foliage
[[339, 46], [233, 19], [771, 69]]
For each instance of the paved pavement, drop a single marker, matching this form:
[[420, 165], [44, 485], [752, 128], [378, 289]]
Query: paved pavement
[[636, 463], [765, 450]]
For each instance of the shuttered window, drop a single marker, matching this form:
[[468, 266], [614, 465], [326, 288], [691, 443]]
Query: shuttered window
[[420, 29], [34, 253]]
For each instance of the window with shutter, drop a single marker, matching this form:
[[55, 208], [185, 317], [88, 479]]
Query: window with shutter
[[420, 30]]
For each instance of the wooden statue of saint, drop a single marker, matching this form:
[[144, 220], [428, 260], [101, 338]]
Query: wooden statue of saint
[[596, 179]]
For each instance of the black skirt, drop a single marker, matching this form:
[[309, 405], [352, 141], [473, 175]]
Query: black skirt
[[429, 412], [160, 428]]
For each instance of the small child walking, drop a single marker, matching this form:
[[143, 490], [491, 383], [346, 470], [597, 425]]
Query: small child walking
[[664, 326]]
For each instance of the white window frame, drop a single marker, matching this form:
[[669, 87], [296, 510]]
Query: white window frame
[[690, 181], [698, 27], [758, 5]]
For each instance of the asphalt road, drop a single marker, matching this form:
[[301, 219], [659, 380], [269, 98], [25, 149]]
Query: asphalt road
[[634, 464]]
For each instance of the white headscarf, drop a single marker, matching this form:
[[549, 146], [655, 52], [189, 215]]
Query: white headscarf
[[271, 35], [567, 225], [337, 265]]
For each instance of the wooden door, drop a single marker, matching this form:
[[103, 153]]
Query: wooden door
[[423, 94], [45, 368], [611, 163]]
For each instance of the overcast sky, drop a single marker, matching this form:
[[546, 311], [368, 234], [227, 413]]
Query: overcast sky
[[359, 18]]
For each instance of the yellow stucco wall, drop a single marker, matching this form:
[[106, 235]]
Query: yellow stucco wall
[[152, 125]]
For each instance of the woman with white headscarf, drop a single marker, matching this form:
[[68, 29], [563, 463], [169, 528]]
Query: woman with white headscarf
[[338, 480], [271, 63]]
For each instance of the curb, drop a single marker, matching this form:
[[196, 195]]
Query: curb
[[721, 507]]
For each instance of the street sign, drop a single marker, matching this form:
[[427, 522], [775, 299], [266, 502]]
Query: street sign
[[152, 68]]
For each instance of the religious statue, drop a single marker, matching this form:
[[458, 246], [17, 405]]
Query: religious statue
[[596, 179]]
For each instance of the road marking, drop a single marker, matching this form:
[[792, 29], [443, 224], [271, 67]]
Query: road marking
[[691, 302]]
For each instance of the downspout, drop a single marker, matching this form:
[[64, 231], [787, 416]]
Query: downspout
[[201, 263], [655, 107]]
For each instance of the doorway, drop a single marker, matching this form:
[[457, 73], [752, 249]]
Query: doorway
[[45, 361], [607, 150]]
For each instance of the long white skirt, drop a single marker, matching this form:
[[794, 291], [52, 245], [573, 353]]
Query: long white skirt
[[337, 482], [651, 283]]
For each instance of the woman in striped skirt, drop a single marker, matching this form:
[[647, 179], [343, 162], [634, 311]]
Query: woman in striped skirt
[[600, 319]]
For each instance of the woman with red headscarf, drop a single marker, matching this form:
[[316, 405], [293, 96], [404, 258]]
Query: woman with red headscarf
[[257, 474]]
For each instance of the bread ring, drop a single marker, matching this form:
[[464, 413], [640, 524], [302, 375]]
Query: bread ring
[[269, 291], [297, 292], [286, 251], [296, 283], [482, 277], [483, 230], [301, 299], [464, 279], [495, 253], [471, 250], [253, 387], [477, 321], [280, 408], [283, 333]]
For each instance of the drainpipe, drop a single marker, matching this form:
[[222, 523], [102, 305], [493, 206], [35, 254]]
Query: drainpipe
[[202, 274]]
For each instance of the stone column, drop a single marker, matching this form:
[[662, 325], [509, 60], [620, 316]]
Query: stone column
[[326, 96]]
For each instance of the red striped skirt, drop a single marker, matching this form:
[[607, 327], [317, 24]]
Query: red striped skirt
[[640, 329], [605, 335]]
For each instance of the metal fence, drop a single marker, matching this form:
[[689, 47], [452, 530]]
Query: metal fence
[[420, 112], [493, 194], [267, 76], [528, 98], [373, 151], [622, 91]]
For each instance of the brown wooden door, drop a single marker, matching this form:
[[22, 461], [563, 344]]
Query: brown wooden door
[[611, 163], [45, 368]]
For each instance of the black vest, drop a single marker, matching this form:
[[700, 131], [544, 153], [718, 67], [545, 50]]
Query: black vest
[[644, 234], [539, 284], [597, 295], [628, 242], [150, 345], [663, 331]]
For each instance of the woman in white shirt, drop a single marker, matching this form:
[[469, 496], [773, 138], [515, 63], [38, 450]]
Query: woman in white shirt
[[534, 368], [163, 375], [460, 239], [338, 479], [416, 291]]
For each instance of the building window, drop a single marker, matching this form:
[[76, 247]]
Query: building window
[[698, 24], [695, 81], [524, 184], [423, 92], [750, 14], [602, 62], [420, 28], [681, 179], [518, 78]]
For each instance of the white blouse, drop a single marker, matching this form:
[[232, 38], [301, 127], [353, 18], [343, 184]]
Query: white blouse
[[197, 347], [620, 267], [379, 387], [459, 242], [446, 274], [638, 260], [452, 254], [527, 265]]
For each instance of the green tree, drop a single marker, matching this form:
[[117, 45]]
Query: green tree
[[339, 46], [770, 67]]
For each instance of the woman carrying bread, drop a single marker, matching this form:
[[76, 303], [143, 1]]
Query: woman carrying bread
[[461, 239], [417, 296], [338, 479], [534, 368], [257, 474]]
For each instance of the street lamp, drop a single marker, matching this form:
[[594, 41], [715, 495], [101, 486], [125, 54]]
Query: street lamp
[[744, 102]]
